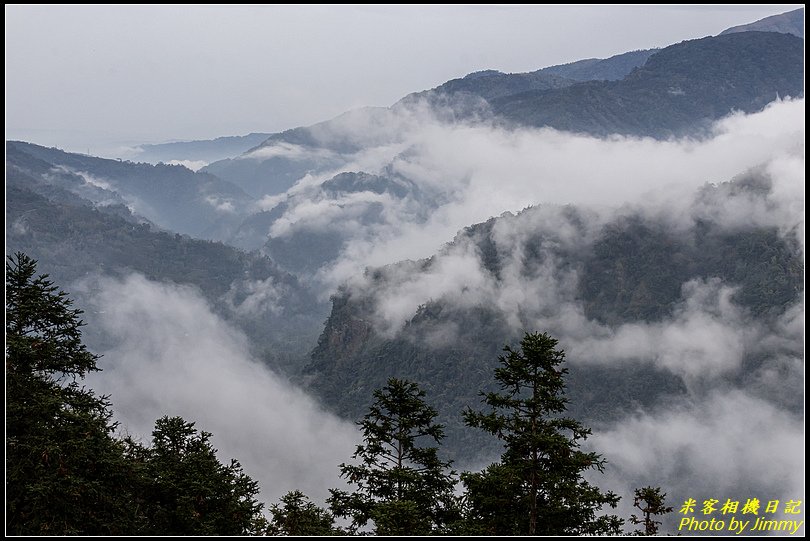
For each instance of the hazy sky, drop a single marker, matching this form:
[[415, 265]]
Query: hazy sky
[[91, 78]]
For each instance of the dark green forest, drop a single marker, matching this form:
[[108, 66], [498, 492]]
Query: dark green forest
[[678, 91], [70, 472]]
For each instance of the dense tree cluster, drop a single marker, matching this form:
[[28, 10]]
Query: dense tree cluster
[[68, 473]]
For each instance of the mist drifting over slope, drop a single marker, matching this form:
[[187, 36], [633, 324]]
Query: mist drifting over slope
[[263, 286], [447, 176], [466, 173], [733, 358], [170, 355]]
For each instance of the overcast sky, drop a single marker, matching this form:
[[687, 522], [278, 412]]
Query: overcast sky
[[91, 78]]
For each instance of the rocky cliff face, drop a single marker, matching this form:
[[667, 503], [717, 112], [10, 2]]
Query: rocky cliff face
[[346, 332]]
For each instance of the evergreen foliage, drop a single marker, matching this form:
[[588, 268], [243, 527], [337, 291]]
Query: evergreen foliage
[[538, 487], [402, 486], [297, 515], [188, 491], [65, 473], [650, 501]]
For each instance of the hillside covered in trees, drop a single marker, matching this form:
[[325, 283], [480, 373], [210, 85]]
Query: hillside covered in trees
[[556, 302], [627, 270], [73, 474]]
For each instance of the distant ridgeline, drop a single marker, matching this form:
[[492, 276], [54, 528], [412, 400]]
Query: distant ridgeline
[[676, 91], [170, 196], [78, 227], [680, 90]]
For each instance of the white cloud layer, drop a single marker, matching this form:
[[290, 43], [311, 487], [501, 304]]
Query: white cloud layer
[[173, 356], [725, 445], [469, 173], [194, 165], [738, 432]]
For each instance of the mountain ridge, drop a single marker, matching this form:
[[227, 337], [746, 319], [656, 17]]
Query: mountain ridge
[[76, 240], [170, 196], [635, 271], [682, 86], [204, 150], [790, 22], [678, 91]]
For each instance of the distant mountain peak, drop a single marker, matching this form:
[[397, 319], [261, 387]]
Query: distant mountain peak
[[482, 73], [790, 22]]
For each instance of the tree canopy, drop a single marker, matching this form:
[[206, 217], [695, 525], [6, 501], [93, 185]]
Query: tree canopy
[[188, 491], [295, 514], [651, 502], [402, 484], [538, 487], [66, 474], [66, 471]]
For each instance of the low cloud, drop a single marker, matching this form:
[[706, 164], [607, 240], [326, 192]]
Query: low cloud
[[289, 151], [251, 298], [194, 165], [324, 214], [706, 337], [170, 355], [475, 172], [724, 445], [472, 172], [94, 181], [224, 206]]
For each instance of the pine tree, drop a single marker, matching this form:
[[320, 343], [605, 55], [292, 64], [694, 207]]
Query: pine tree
[[537, 488], [402, 486], [650, 501], [65, 473], [189, 491], [296, 515]]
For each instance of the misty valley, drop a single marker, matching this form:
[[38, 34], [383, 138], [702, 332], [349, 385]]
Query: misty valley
[[561, 302]]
